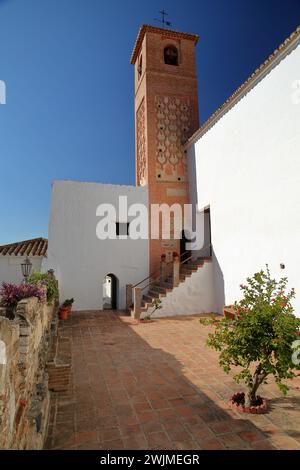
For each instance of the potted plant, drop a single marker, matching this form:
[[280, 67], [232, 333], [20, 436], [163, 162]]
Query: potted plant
[[163, 257], [175, 255], [230, 312], [259, 341], [68, 304], [63, 313], [65, 309]]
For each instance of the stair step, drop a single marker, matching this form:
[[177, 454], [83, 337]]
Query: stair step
[[147, 298], [166, 285], [158, 289], [183, 277], [154, 294]]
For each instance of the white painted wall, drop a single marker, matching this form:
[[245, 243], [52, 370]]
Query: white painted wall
[[193, 296], [80, 260], [247, 169], [10, 267]]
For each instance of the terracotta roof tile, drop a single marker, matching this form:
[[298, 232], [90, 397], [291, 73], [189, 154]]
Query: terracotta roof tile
[[34, 247], [242, 90], [165, 32]]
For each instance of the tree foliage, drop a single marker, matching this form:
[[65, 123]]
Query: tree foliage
[[48, 281], [259, 340]]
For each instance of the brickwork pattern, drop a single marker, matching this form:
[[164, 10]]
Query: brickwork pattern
[[141, 146], [173, 129]]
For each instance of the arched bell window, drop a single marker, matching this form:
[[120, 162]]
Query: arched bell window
[[171, 55]]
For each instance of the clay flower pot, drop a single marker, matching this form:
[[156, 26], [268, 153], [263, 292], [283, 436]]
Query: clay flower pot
[[69, 309], [230, 312], [63, 313], [237, 402]]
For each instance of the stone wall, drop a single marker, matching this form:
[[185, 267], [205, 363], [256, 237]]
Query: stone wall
[[24, 395]]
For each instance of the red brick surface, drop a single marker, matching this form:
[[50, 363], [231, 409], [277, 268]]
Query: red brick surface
[[157, 386], [160, 79]]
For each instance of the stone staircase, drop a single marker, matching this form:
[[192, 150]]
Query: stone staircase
[[159, 289]]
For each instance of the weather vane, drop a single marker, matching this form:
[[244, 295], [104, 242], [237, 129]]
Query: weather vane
[[163, 20]]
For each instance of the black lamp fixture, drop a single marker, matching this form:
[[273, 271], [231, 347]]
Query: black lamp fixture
[[26, 267]]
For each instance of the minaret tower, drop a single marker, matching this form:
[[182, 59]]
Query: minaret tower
[[166, 115]]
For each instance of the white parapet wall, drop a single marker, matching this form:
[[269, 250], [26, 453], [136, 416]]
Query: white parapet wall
[[193, 296]]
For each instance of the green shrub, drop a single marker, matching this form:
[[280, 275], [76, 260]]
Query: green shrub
[[260, 339], [47, 280]]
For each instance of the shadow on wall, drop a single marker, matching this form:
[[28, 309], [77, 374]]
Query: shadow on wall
[[219, 286], [119, 375]]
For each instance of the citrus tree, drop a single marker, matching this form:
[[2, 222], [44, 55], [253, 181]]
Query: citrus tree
[[259, 340]]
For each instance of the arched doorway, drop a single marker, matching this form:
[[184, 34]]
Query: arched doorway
[[110, 292], [184, 253]]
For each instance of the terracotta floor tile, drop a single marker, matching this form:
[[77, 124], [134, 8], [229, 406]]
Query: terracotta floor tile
[[232, 441], [136, 442], [130, 430], [110, 434], [146, 416], [210, 443], [158, 440], [158, 386], [265, 444], [152, 427], [144, 406], [159, 404], [113, 445]]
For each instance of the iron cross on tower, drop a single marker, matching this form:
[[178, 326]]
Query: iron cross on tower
[[163, 18]]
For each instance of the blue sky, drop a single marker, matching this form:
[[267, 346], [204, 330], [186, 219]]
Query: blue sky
[[69, 111]]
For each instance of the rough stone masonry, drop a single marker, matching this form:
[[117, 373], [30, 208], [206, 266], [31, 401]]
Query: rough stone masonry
[[24, 394]]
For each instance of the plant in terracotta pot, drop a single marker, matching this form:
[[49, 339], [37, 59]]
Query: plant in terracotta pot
[[260, 340], [65, 309], [230, 312], [68, 304], [175, 255]]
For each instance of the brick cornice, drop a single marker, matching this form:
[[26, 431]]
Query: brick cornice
[[168, 33]]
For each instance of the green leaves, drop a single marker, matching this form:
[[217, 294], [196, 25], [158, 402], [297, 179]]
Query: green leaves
[[38, 278], [260, 335]]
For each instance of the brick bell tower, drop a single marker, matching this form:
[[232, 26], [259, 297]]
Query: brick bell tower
[[166, 115]]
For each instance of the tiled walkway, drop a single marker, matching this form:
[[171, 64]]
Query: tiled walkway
[[156, 386]]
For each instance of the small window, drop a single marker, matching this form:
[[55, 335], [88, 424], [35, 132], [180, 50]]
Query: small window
[[122, 229], [171, 55], [140, 67]]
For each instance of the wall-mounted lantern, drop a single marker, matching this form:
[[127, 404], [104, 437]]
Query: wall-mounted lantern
[[26, 269]]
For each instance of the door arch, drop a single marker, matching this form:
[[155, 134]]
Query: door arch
[[110, 292]]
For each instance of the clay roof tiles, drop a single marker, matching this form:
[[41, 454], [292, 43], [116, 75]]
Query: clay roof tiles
[[34, 247]]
